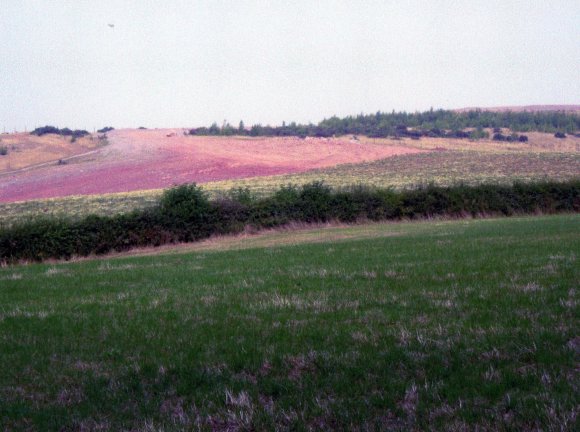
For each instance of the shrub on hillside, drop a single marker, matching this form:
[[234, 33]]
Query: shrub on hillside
[[479, 134], [276, 210], [186, 211], [512, 138], [232, 210], [78, 133], [458, 134], [364, 202], [45, 130], [499, 137], [314, 202]]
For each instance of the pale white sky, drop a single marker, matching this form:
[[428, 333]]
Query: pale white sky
[[177, 63]]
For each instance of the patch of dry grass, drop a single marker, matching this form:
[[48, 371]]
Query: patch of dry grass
[[26, 151]]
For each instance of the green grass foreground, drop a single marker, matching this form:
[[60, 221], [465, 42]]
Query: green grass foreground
[[452, 325]]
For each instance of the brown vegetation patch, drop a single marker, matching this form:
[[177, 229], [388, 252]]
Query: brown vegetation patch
[[300, 365], [27, 151], [290, 234]]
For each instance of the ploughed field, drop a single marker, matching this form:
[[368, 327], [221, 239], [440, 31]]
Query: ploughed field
[[453, 325], [135, 160]]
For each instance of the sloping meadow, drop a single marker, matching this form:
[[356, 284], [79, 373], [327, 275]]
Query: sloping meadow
[[446, 325]]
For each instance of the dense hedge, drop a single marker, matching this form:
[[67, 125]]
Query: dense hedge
[[185, 214]]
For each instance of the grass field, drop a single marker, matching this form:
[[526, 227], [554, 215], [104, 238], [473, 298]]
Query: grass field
[[446, 325], [399, 172]]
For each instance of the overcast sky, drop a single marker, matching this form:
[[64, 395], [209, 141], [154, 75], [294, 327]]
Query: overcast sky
[[173, 63]]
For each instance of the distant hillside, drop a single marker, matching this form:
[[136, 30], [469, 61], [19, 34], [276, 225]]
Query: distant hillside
[[529, 108], [137, 159]]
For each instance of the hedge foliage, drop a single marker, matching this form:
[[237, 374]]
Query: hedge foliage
[[185, 214]]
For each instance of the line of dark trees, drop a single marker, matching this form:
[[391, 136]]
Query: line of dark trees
[[433, 123], [77, 133], [185, 214]]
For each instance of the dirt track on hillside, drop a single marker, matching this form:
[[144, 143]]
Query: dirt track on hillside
[[151, 159]]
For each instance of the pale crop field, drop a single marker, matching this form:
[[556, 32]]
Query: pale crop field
[[443, 168]]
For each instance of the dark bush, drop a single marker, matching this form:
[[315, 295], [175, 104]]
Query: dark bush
[[78, 133], [186, 211], [314, 202], [560, 135], [359, 202], [512, 138], [458, 134], [523, 138], [499, 137], [106, 129], [232, 210], [279, 209], [45, 130], [478, 134], [3, 150], [413, 134], [435, 132]]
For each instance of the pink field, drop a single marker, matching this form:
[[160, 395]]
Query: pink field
[[150, 159]]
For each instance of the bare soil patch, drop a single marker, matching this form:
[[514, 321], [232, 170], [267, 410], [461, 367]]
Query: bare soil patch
[[160, 158]]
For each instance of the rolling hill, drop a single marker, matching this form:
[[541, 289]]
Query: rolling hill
[[152, 159]]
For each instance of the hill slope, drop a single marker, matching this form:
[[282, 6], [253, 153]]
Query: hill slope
[[160, 158]]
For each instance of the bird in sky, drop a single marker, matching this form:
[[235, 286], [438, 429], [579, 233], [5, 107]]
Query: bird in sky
[[111, 25]]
